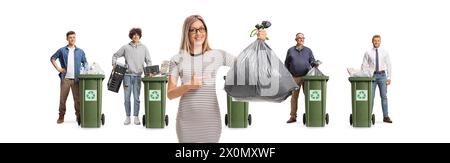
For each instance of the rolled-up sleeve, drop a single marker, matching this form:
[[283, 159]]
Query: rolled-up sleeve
[[56, 55]]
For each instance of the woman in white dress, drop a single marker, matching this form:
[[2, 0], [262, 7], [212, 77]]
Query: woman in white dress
[[198, 118]]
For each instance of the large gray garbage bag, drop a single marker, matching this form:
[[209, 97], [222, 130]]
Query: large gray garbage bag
[[258, 75]]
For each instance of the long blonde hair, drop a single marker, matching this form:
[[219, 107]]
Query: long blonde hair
[[185, 44]]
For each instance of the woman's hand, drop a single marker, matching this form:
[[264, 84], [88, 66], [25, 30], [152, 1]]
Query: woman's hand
[[173, 91], [194, 83], [261, 34]]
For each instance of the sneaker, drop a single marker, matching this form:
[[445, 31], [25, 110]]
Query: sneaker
[[127, 121], [136, 120]]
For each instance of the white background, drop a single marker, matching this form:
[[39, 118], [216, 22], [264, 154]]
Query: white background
[[338, 32]]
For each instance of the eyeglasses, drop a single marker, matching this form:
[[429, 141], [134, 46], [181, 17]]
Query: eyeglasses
[[195, 30], [300, 38]]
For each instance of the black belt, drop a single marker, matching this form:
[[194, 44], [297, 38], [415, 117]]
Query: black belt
[[379, 72]]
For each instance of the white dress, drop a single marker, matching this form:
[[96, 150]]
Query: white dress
[[198, 118]]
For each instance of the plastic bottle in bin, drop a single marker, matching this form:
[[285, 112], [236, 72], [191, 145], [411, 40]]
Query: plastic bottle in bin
[[95, 69], [84, 68]]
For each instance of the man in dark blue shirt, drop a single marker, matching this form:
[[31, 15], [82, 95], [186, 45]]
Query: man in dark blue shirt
[[299, 60]]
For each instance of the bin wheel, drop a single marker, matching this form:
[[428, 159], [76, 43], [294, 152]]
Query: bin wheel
[[304, 118], [143, 120], [166, 119], [327, 118], [373, 119], [351, 119], [249, 119], [103, 119], [226, 119]]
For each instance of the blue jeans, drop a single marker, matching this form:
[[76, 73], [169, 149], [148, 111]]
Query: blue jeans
[[380, 80], [132, 83]]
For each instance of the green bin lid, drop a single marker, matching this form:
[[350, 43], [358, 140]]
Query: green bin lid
[[91, 76], [155, 79], [360, 79], [315, 78]]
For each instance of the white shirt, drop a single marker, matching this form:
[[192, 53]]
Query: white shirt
[[384, 62], [70, 74]]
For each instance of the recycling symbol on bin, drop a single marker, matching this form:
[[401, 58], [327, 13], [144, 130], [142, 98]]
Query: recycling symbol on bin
[[90, 95], [361, 95], [315, 95], [154, 95]]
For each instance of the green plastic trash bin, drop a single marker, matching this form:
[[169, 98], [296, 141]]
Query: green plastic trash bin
[[362, 102], [155, 102], [237, 113], [315, 101], [91, 101]]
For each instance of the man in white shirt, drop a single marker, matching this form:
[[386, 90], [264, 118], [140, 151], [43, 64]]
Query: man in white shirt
[[71, 59], [377, 61]]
